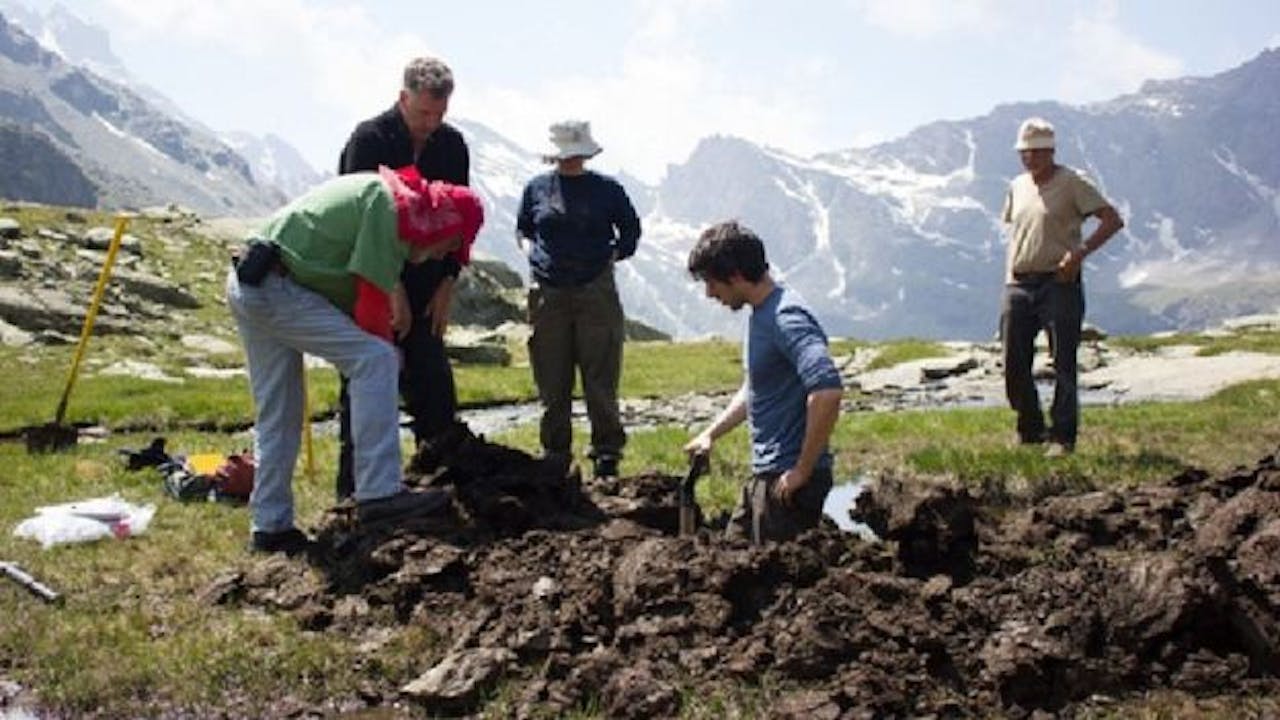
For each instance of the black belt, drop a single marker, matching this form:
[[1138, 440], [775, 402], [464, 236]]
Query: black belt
[[1035, 277]]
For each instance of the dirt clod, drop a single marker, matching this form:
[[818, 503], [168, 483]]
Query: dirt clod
[[580, 595]]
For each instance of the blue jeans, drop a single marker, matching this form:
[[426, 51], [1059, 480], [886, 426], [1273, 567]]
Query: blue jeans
[[279, 321]]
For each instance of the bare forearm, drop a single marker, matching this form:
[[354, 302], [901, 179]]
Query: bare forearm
[[733, 415], [438, 308], [1109, 223]]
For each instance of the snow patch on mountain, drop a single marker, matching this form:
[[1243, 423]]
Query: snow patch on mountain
[[274, 162], [1227, 159], [129, 137]]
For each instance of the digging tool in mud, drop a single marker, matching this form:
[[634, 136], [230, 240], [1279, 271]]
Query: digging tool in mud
[[699, 464], [37, 588], [55, 436]]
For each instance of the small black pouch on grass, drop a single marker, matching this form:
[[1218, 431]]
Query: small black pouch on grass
[[258, 259], [152, 455]]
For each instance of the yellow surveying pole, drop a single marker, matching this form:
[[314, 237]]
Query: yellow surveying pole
[[122, 222], [306, 424], [55, 435]]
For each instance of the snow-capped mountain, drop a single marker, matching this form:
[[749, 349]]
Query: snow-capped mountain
[[897, 239], [86, 45], [108, 138], [903, 238], [274, 162], [70, 37]]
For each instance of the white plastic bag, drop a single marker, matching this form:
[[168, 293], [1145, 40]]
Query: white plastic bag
[[86, 521]]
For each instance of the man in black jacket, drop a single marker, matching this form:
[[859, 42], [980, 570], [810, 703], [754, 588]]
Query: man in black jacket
[[413, 132]]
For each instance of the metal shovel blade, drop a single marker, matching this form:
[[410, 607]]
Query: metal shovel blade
[[51, 437], [698, 466]]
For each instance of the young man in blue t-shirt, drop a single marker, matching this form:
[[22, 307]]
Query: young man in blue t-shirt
[[790, 396]]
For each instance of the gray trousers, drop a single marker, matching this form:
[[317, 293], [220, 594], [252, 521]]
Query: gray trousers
[[578, 327], [760, 517], [1058, 308]]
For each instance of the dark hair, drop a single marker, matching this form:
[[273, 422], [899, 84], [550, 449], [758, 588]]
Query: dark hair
[[430, 75], [727, 249]]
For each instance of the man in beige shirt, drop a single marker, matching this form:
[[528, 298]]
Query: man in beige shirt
[[1045, 209]]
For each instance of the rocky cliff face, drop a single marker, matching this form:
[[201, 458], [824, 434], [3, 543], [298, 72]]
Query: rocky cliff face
[[273, 162], [129, 150], [37, 170]]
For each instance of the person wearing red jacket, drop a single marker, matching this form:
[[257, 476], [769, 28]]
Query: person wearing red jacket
[[322, 278]]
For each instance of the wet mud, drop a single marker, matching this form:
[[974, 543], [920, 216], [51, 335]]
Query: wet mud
[[579, 594]]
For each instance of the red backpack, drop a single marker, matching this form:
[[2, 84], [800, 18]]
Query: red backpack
[[234, 477]]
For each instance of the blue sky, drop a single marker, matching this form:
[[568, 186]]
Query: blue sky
[[655, 76]]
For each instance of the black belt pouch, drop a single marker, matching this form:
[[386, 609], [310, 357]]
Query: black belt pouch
[[258, 259]]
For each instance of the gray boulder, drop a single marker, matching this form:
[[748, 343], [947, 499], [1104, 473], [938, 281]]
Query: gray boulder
[[40, 309], [155, 289], [99, 238], [10, 264], [482, 296], [456, 684]]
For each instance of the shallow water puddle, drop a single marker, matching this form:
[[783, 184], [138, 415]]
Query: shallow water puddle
[[840, 501]]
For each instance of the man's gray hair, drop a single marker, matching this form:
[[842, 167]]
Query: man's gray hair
[[430, 75]]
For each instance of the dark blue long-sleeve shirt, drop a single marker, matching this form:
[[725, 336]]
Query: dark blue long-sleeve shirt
[[576, 224]]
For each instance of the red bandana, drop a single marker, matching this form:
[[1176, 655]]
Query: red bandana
[[432, 212]]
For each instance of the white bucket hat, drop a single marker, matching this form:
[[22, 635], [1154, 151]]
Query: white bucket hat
[[1035, 134], [572, 138]]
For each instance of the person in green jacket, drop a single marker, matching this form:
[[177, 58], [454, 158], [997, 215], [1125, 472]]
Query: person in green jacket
[[322, 278]]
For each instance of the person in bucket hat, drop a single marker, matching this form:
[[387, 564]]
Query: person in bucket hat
[[413, 131], [321, 278], [1044, 212], [572, 139], [573, 225]]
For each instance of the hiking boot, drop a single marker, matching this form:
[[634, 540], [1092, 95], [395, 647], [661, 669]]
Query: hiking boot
[[404, 505], [1059, 449], [556, 464], [436, 451], [290, 542], [606, 467]]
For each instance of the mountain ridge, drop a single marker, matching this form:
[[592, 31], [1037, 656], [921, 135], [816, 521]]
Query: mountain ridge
[[898, 238], [133, 152]]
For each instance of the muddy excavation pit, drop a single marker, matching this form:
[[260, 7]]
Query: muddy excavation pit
[[580, 594]]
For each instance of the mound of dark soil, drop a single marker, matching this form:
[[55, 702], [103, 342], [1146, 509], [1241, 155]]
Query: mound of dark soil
[[580, 593]]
